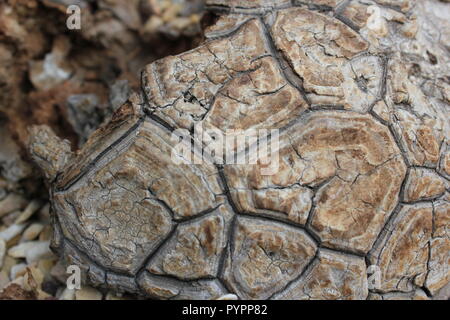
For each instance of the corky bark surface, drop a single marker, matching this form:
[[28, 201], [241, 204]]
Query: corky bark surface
[[360, 92]]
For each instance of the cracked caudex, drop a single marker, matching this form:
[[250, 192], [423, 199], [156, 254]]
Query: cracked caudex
[[363, 172]]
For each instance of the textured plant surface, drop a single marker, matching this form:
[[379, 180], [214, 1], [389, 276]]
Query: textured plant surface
[[360, 93]]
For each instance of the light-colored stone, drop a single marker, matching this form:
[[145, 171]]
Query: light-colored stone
[[67, 294], [228, 297], [33, 231], [32, 250], [18, 270], [20, 250], [88, 293], [30, 209], [41, 250], [11, 203], [12, 231]]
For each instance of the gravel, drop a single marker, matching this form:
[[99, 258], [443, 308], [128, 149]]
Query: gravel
[[28, 268]]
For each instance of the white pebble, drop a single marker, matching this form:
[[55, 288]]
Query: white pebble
[[11, 203], [17, 270], [67, 294], [32, 251], [228, 296], [33, 231], [88, 293], [41, 250], [12, 231], [18, 280], [20, 250], [31, 208]]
